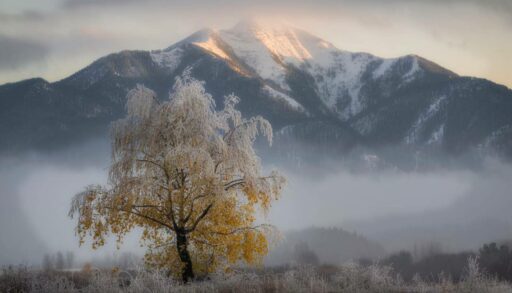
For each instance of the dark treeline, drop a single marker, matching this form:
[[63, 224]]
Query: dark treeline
[[494, 259]]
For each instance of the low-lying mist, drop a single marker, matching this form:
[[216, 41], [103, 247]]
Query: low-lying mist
[[338, 197], [35, 196], [457, 208]]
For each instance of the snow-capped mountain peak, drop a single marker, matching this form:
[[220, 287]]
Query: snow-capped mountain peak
[[280, 40], [284, 43], [272, 50]]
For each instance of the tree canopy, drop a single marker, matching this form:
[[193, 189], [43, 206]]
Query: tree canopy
[[189, 177]]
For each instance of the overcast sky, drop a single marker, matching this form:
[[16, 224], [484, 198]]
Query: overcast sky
[[54, 38]]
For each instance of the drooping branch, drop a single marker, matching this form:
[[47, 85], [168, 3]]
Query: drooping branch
[[228, 135], [234, 183]]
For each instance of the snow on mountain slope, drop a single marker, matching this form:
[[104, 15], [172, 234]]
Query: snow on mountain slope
[[415, 67], [338, 74], [384, 67], [246, 41], [341, 79], [214, 43], [211, 45], [419, 124], [271, 51], [168, 59], [281, 96]]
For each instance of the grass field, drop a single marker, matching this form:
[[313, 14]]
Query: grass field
[[347, 278]]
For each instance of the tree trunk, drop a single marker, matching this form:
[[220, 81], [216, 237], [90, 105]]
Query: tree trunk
[[187, 272]]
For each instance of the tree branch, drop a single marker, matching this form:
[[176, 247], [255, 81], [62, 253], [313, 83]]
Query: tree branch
[[201, 216], [234, 183], [192, 206], [158, 208], [142, 216], [170, 216], [151, 162], [238, 230]]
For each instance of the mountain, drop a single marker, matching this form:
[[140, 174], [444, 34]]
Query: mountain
[[317, 97]]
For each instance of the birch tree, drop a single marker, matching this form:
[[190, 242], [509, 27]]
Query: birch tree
[[188, 177]]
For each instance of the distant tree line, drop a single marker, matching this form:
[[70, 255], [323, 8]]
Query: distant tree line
[[58, 261], [495, 260]]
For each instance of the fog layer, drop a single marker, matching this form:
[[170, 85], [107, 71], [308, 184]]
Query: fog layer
[[458, 208]]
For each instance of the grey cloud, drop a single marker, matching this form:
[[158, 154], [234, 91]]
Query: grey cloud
[[17, 53]]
